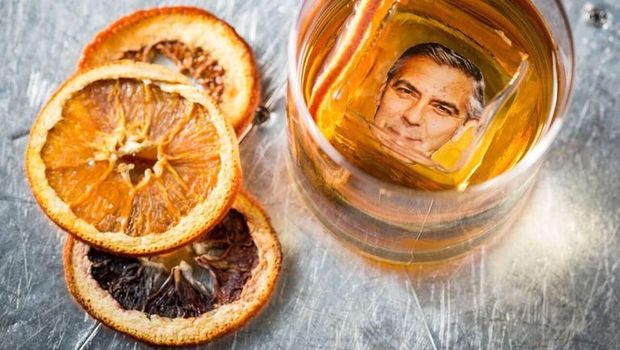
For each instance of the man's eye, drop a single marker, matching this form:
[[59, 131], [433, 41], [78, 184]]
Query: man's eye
[[404, 92], [442, 110]]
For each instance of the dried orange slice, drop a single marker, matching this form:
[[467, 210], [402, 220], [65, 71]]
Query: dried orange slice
[[202, 46], [352, 46], [132, 159], [186, 297]]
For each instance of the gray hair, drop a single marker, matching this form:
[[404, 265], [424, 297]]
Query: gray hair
[[445, 56]]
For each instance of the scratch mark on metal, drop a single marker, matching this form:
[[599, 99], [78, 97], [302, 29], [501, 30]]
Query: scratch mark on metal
[[38, 89], [427, 328], [94, 329], [234, 344], [9, 198], [8, 291], [19, 135], [30, 337]]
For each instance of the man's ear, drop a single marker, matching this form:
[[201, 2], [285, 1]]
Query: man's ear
[[381, 93], [469, 124]]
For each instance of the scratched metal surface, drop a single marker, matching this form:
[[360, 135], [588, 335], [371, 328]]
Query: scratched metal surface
[[552, 282]]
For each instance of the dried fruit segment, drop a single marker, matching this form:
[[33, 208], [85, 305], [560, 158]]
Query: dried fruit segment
[[196, 63], [107, 206], [140, 155], [229, 254], [190, 295], [201, 46], [126, 192], [226, 255], [150, 288]]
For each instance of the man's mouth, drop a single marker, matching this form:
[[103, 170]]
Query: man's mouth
[[396, 133], [403, 147]]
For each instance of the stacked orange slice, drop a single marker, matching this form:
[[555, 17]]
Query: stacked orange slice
[[202, 47], [166, 299], [142, 169], [131, 159]]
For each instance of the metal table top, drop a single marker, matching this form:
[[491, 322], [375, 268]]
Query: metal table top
[[552, 282]]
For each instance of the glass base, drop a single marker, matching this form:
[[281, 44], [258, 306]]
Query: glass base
[[435, 244]]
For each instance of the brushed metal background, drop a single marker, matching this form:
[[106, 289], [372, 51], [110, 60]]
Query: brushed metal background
[[552, 282]]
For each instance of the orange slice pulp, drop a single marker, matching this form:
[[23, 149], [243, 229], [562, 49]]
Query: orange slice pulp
[[132, 159]]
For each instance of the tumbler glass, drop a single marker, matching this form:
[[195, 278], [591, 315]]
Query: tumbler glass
[[400, 224]]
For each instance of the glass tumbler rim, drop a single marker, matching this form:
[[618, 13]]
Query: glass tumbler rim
[[558, 114]]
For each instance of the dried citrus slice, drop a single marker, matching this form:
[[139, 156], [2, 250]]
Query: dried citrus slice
[[132, 159], [186, 297], [202, 46], [352, 46]]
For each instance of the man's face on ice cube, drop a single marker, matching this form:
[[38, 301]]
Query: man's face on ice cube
[[425, 104]]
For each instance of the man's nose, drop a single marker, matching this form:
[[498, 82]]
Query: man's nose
[[413, 115]]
